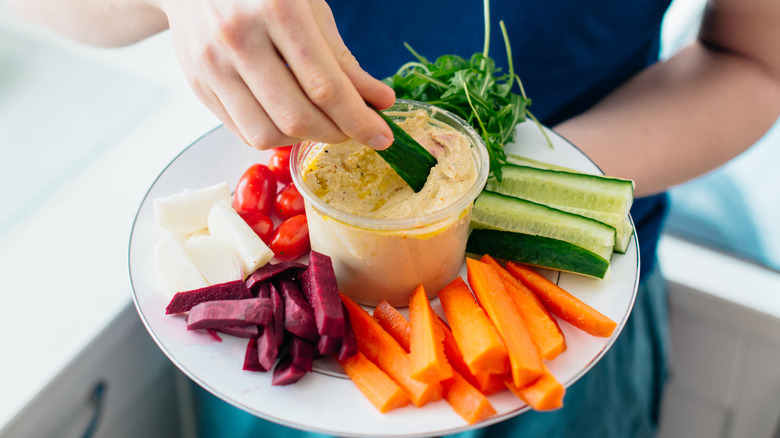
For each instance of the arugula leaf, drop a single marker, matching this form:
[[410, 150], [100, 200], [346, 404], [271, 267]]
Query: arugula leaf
[[474, 90]]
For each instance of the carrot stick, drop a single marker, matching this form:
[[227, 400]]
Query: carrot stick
[[477, 337], [544, 329], [375, 384], [545, 394], [490, 383], [393, 322], [467, 399], [486, 383], [524, 361], [428, 362], [379, 347], [563, 304]]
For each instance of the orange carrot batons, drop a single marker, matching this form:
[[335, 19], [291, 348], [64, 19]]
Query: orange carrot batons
[[477, 337], [375, 384], [393, 322], [545, 394], [486, 383], [428, 362], [466, 400], [379, 347], [544, 329], [524, 361], [563, 304]]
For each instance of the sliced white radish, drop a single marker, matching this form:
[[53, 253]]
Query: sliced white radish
[[176, 271], [215, 260], [203, 232], [225, 224], [186, 212]]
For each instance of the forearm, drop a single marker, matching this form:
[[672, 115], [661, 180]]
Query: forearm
[[95, 22], [275, 72], [681, 118]]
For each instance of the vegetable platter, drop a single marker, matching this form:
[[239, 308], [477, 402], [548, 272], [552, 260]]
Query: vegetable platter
[[326, 401]]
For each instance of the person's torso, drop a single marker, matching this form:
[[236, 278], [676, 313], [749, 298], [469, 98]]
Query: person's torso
[[568, 53]]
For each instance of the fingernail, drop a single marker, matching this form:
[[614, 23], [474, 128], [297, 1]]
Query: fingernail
[[380, 142]]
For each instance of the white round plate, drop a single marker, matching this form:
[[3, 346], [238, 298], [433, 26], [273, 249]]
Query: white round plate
[[323, 401]]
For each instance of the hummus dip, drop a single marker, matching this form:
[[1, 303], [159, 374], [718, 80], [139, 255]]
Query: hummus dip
[[376, 259], [353, 178]]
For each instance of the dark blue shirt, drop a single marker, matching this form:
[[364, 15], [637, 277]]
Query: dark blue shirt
[[568, 53]]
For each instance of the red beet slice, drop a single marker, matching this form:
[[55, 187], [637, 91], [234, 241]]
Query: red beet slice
[[348, 342], [271, 270], [239, 331], [327, 345], [296, 362], [286, 373], [262, 289], [319, 285], [184, 301], [272, 334], [225, 313], [301, 351], [298, 314], [278, 318], [267, 349], [251, 362]]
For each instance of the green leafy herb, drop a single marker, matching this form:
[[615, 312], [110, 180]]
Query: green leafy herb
[[473, 89]]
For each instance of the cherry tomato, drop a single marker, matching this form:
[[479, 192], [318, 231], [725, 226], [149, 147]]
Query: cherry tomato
[[291, 238], [280, 164], [262, 225], [289, 202], [256, 190]]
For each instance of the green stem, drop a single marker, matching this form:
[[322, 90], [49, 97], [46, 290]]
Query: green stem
[[486, 45], [474, 110], [411, 65], [541, 128], [508, 48], [419, 57], [430, 79], [510, 61]]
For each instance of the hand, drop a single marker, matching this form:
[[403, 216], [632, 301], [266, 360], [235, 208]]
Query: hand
[[276, 72]]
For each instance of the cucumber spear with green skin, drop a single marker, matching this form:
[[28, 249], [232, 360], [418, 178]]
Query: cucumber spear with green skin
[[407, 157]]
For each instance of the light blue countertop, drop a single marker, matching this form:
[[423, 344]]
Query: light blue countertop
[[735, 208]]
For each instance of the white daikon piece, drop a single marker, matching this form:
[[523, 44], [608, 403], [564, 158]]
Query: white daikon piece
[[215, 259], [176, 271], [186, 212], [225, 224]]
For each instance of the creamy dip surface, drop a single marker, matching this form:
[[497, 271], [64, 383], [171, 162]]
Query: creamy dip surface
[[353, 178]]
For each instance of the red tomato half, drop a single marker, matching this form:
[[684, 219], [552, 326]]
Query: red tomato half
[[262, 225], [256, 190], [280, 164], [291, 239], [289, 202]]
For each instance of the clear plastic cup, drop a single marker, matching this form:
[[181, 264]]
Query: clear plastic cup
[[376, 259]]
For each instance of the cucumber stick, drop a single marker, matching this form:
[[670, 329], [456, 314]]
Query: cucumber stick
[[537, 250], [407, 157], [538, 234], [520, 160], [598, 197]]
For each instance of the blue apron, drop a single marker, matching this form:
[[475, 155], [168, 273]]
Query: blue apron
[[569, 54]]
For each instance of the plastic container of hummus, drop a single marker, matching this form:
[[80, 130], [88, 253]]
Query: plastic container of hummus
[[383, 238]]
